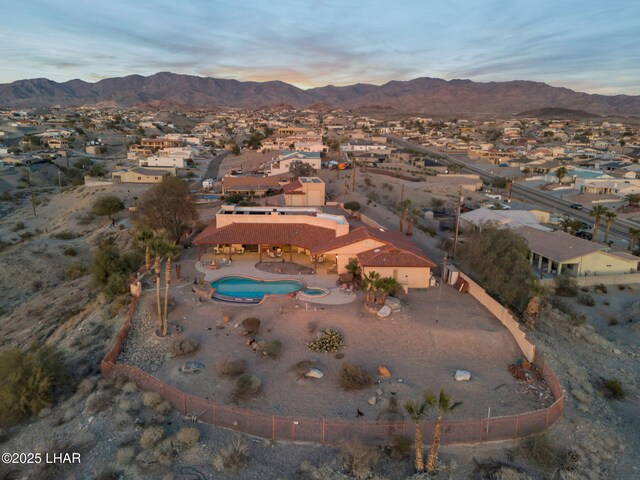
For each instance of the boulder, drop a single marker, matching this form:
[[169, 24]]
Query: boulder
[[384, 371], [379, 392], [463, 376], [191, 367], [393, 303], [384, 311], [372, 400], [314, 373]]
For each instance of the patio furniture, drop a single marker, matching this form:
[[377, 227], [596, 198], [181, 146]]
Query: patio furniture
[[239, 250], [321, 258]]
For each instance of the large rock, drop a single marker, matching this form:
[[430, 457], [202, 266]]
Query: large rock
[[463, 376], [372, 400], [384, 311], [191, 367], [393, 303], [314, 373]]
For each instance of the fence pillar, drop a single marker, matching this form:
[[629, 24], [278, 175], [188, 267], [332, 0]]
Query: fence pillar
[[273, 427]]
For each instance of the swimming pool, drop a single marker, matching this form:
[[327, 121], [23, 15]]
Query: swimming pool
[[237, 287]]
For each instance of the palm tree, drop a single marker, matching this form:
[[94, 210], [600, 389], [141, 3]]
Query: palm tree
[[634, 236], [145, 236], [417, 411], [403, 212], [566, 223], [413, 214], [597, 213], [156, 248], [610, 218], [353, 267], [538, 294], [561, 173], [633, 199], [444, 405], [171, 251], [385, 286], [369, 283]]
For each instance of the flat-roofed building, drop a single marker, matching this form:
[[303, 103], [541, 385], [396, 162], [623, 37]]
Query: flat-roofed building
[[142, 175]]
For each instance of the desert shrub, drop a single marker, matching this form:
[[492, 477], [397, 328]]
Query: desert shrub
[[151, 437], [125, 455], [613, 389], [233, 456], [246, 387], [74, 271], [183, 346], [400, 447], [352, 206], [96, 402], [560, 305], [188, 436], [601, 288], [586, 299], [577, 319], [437, 202], [621, 286], [231, 368], [605, 302], [354, 377], [70, 252], [548, 456], [163, 408], [251, 325], [613, 321], [151, 399], [18, 226], [28, 381], [66, 235], [164, 452], [428, 230], [566, 286], [359, 460], [273, 349], [110, 269], [329, 342]]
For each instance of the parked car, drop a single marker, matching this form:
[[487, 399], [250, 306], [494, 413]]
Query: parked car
[[576, 206], [584, 234]]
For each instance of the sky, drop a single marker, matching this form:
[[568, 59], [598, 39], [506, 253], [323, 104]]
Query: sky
[[591, 46]]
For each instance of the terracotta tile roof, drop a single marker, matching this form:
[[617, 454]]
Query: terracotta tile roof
[[390, 256], [298, 234], [363, 233], [257, 183]]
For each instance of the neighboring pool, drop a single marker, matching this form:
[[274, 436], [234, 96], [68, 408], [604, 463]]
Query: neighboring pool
[[249, 288], [314, 291]]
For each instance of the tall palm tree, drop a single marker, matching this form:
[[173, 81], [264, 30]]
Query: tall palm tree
[[413, 214], [538, 294], [610, 217], [417, 410], [369, 283], [443, 405], [597, 213], [561, 173], [145, 236], [170, 251], [156, 248], [634, 236]]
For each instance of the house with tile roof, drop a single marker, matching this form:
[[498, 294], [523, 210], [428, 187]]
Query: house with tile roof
[[318, 235]]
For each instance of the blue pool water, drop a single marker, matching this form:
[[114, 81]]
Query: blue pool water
[[242, 287], [313, 291]]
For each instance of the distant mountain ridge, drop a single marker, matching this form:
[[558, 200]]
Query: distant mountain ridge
[[426, 95]]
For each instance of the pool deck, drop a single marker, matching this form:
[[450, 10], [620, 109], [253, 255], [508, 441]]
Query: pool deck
[[244, 265]]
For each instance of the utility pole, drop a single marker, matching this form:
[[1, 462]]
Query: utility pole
[[33, 200], [353, 180], [455, 238]]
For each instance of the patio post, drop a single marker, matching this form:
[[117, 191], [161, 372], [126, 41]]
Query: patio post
[[260, 251], [315, 264]]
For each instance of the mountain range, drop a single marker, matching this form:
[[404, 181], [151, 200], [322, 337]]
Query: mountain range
[[421, 95]]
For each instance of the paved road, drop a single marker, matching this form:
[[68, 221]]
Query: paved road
[[619, 229], [212, 170]]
